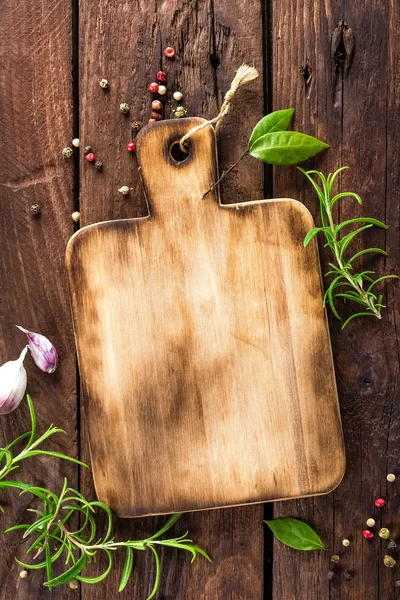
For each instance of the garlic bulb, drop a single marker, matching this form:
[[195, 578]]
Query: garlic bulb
[[12, 383]]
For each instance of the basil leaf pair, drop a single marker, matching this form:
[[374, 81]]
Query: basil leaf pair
[[272, 143]]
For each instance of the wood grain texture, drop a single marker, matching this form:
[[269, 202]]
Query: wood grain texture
[[356, 114], [36, 123], [202, 389], [125, 45]]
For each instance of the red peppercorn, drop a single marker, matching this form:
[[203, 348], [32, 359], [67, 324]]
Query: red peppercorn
[[152, 121], [155, 116], [368, 534], [90, 157], [379, 502], [169, 52], [153, 87], [131, 146], [161, 76]]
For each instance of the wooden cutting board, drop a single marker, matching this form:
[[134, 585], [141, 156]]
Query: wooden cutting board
[[203, 346]]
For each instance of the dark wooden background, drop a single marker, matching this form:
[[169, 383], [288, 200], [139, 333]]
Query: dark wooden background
[[53, 54]]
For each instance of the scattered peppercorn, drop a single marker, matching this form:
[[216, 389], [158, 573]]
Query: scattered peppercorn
[[67, 152], [384, 533], [155, 115], [87, 150], [379, 502], [23, 574], [335, 558], [368, 534], [124, 108], [346, 542], [348, 576], [156, 105], [151, 121], [153, 87], [131, 146], [331, 575], [135, 125], [73, 584], [371, 522], [177, 96], [397, 584], [392, 545], [162, 90], [75, 142], [391, 477], [124, 190], [35, 209], [169, 52], [76, 216], [98, 165], [180, 112], [104, 84], [161, 76], [389, 561], [90, 157]]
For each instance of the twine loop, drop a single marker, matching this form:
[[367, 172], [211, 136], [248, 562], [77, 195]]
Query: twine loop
[[244, 74]]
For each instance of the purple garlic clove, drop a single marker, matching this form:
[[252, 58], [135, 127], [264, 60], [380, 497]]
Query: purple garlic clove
[[42, 350]]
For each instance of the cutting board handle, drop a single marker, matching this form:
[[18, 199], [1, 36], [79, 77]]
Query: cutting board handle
[[166, 172]]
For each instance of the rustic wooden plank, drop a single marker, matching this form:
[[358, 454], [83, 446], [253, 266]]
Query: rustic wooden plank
[[126, 46], [365, 353], [37, 122]]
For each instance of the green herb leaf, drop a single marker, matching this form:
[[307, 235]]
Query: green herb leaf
[[296, 534], [71, 573], [286, 147], [99, 578], [158, 574], [278, 120], [127, 570]]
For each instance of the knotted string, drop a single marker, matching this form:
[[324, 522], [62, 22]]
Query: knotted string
[[244, 74]]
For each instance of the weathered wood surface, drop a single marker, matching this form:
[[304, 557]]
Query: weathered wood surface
[[191, 345], [358, 115], [36, 123]]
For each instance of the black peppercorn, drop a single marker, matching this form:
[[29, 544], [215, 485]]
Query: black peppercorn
[[397, 584], [348, 576], [87, 150], [392, 545], [98, 165]]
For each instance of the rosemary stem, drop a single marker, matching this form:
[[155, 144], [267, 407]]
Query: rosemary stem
[[339, 261]]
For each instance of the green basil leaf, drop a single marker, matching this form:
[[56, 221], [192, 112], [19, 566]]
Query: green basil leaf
[[286, 147], [278, 120], [296, 534]]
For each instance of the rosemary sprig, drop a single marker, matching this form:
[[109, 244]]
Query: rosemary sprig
[[57, 541], [358, 286]]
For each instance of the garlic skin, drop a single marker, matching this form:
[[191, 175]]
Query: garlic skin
[[12, 383], [42, 350]]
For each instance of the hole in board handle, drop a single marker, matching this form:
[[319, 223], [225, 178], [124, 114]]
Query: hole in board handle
[[177, 154]]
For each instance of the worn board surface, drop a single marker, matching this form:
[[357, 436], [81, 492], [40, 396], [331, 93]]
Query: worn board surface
[[203, 390], [357, 114]]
